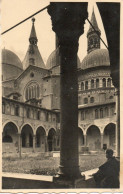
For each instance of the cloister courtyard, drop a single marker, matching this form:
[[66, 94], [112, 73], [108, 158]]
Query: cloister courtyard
[[42, 164]]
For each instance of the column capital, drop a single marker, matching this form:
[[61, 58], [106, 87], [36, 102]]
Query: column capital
[[68, 19]]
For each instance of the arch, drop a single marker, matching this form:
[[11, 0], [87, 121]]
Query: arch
[[40, 138], [51, 139], [10, 136], [80, 138], [86, 85], [109, 82], [104, 82], [97, 83], [92, 100], [92, 84], [27, 136], [93, 138], [8, 121], [109, 135], [82, 86], [85, 100]]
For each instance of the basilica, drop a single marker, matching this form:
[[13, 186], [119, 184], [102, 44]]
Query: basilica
[[31, 98]]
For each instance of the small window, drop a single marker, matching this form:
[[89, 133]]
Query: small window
[[92, 100], [101, 113], [96, 114], [109, 82], [82, 115], [92, 84], [17, 110], [47, 116], [85, 100], [82, 86], [106, 111], [86, 85], [38, 115], [104, 82], [97, 83]]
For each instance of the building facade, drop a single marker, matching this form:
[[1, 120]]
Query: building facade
[[31, 98]]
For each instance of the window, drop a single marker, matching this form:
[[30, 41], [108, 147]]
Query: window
[[7, 139], [109, 82], [47, 116], [101, 113], [97, 83], [92, 100], [82, 86], [17, 110], [104, 82], [92, 84], [106, 111], [86, 114], [96, 114], [82, 115], [3, 107], [85, 100], [38, 115], [28, 113], [86, 85], [32, 91], [112, 111]]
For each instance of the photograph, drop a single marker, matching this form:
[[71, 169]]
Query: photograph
[[61, 79]]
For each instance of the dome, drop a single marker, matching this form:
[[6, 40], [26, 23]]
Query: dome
[[10, 58], [53, 60], [98, 57], [11, 65]]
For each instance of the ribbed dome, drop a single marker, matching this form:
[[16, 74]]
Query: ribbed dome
[[53, 60], [10, 58], [98, 57]]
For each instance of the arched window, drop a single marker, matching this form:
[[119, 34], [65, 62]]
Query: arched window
[[96, 114], [112, 111], [28, 113], [101, 113], [104, 82], [92, 84], [32, 91], [38, 115], [86, 85], [82, 86], [17, 110], [97, 83], [85, 100], [3, 107], [92, 100], [109, 82], [106, 111], [82, 115]]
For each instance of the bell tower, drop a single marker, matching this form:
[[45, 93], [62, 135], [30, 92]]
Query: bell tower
[[92, 37]]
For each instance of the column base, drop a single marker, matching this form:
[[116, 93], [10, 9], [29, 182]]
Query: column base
[[65, 182]]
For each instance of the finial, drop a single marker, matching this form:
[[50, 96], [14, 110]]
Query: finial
[[33, 20]]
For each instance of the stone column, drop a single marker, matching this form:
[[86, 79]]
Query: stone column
[[101, 140], [34, 141], [85, 140], [19, 144], [117, 110], [68, 21], [46, 144], [94, 83]]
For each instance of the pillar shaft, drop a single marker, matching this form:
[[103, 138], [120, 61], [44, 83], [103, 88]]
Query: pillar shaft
[[101, 141], [19, 144], [85, 140], [34, 140], [68, 22]]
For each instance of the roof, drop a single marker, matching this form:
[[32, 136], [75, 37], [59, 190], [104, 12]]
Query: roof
[[54, 60], [10, 58], [96, 58]]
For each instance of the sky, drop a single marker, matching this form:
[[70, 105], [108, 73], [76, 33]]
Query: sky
[[17, 40]]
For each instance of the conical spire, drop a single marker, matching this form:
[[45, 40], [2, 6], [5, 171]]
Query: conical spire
[[33, 56], [33, 37], [94, 23], [93, 34]]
